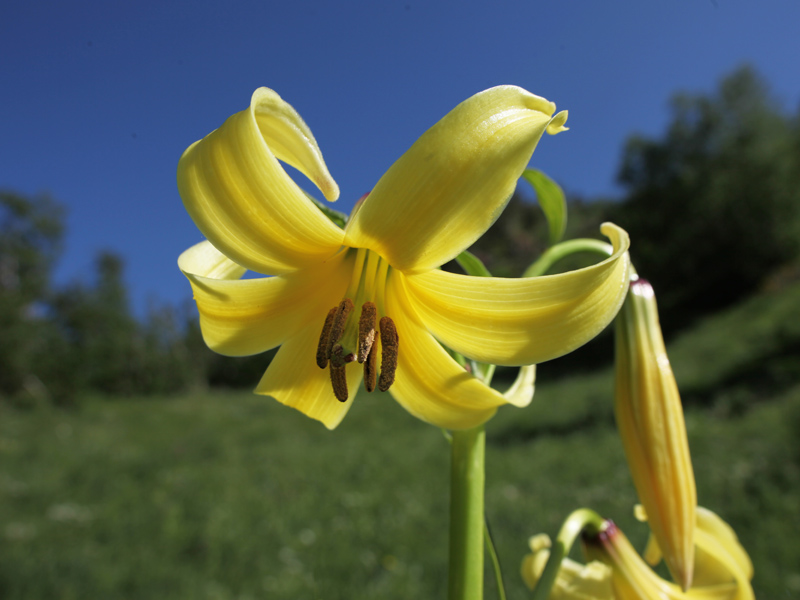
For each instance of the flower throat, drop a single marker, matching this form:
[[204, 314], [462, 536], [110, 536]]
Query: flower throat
[[344, 340]]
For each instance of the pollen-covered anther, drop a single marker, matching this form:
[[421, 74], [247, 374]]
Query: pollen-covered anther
[[339, 321], [324, 336], [371, 368], [389, 349], [338, 374], [366, 330]]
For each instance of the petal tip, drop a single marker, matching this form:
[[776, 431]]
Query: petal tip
[[556, 125]]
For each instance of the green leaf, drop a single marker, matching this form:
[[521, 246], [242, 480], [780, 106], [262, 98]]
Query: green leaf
[[552, 200], [472, 265]]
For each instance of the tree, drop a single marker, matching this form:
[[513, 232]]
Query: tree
[[30, 241], [714, 205]]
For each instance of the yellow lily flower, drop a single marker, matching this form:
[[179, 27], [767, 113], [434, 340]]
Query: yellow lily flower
[[336, 296], [650, 420], [574, 581], [616, 572], [723, 569]]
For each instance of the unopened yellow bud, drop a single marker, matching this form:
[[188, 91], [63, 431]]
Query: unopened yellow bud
[[650, 420]]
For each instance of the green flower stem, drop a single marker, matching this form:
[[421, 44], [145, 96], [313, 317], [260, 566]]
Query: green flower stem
[[467, 476], [582, 519], [555, 253]]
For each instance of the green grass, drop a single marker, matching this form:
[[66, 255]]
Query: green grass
[[229, 495]]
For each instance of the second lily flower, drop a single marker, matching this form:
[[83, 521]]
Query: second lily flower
[[341, 295]]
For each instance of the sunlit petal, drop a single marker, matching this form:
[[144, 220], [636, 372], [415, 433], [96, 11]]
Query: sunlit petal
[[574, 581], [294, 379], [523, 321], [429, 383], [452, 184], [206, 261], [720, 556], [249, 316], [521, 391], [242, 199]]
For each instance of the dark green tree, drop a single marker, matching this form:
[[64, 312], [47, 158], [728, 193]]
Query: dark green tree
[[31, 230], [714, 205]]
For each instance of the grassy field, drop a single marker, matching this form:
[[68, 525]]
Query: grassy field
[[227, 495]]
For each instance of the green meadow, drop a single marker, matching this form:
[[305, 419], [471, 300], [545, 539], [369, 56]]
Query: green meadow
[[227, 495]]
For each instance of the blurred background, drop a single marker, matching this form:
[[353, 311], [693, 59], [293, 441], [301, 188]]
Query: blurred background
[[135, 463]]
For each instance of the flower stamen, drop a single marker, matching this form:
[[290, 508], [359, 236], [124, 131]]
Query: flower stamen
[[324, 336], [343, 341], [339, 322], [366, 330], [389, 349], [371, 369], [339, 377]]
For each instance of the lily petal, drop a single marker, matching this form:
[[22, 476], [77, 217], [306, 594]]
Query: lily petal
[[429, 383], [520, 394], [523, 321], [249, 316], [452, 184], [720, 555], [206, 261], [242, 199], [294, 379]]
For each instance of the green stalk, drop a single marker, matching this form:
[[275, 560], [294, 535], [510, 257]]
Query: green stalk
[[555, 253], [465, 581]]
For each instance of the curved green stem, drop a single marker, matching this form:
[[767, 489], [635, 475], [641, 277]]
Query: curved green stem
[[465, 580], [555, 253], [580, 520], [498, 572]]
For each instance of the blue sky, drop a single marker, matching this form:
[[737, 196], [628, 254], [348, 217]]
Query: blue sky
[[99, 99]]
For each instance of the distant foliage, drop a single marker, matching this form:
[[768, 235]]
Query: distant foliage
[[714, 205], [58, 343], [31, 231]]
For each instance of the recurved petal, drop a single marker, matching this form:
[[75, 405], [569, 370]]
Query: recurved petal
[[452, 184], [720, 556], [242, 199], [526, 320], [206, 261], [521, 391], [429, 383], [248, 316], [294, 379]]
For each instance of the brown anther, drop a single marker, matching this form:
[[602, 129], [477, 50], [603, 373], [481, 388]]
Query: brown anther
[[322, 347], [339, 381], [366, 330], [339, 321], [389, 348], [338, 357], [371, 368]]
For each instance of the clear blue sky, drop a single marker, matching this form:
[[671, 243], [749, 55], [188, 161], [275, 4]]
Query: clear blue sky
[[99, 99]]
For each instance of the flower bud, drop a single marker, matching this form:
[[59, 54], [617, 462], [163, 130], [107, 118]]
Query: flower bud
[[650, 421]]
